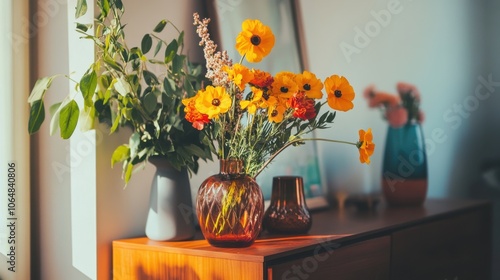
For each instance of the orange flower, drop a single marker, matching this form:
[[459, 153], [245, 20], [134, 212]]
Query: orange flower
[[261, 79], [340, 93], [308, 83], [276, 113], [255, 40], [284, 85], [239, 74], [365, 145], [192, 115]]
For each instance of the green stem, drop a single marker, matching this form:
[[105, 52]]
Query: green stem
[[296, 141]]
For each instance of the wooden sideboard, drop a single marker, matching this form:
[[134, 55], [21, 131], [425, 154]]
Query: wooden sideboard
[[442, 240]]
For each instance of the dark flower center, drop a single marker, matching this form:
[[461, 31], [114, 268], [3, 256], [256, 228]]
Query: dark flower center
[[255, 40], [266, 96], [216, 102], [284, 89], [274, 113], [338, 93], [307, 87]]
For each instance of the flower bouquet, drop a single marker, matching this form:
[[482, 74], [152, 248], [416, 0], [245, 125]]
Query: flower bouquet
[[252, 116], [404, 171]]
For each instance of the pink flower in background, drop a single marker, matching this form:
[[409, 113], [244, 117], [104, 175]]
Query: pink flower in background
[[399, 109], [396, 116]]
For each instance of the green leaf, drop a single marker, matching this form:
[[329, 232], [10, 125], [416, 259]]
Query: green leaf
[[83, 27], [188, 87], [105, 7], [111, 63], [134, 141], [146, 43], [37, 116], [150, 102], [116, 122], [119, 5], [181, 38], [68, 119], [53, 109], [158, 47], [87, 118], [177, 63], [81, 8], [331, 117], [88, 84], [121, 153], [169, 86], [128, 172], [195, 150], [150, 78], [159, 27], [41, 86], [171, 51]]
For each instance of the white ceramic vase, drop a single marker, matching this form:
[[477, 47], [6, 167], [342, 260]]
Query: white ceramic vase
[[171, 213]]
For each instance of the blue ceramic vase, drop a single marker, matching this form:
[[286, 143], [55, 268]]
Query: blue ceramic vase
[[404, 175]]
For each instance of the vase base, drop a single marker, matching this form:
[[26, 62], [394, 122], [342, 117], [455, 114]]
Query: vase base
[[229, 242], [405, 193]]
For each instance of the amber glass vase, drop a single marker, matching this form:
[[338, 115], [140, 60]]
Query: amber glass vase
[[288, 212], [230, 207]]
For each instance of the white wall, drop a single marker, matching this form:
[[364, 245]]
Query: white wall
[[438, 45]]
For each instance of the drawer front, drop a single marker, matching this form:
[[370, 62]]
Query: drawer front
[[458, 247], [363, 260]]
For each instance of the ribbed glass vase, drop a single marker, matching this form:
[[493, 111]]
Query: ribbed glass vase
[[230, 207]]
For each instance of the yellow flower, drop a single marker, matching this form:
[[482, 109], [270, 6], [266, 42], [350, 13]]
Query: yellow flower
[[213, 101], [267, 99], [284, 85], [276, 113], [255, 40], [253, 104], [309, 84], [340, 93], [239, 74], [365, 145]]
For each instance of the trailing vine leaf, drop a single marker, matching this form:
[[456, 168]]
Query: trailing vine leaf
[[150, 102], [128, 172], [37, 116], [40, 88], [88, 84], [146, 43], [87, 118], [120, 154], [81, 8], [171, 51], [159, 27], [68, 118]]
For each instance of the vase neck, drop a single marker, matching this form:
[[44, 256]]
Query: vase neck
[[288, 190], [231, 166]]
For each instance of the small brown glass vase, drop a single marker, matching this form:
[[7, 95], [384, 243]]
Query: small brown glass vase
[[287, 213]]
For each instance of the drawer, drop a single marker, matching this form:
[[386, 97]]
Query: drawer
[[363, 260], [457, 247]]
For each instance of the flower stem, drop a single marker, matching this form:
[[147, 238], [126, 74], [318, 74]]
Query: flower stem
[[296, 141]]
